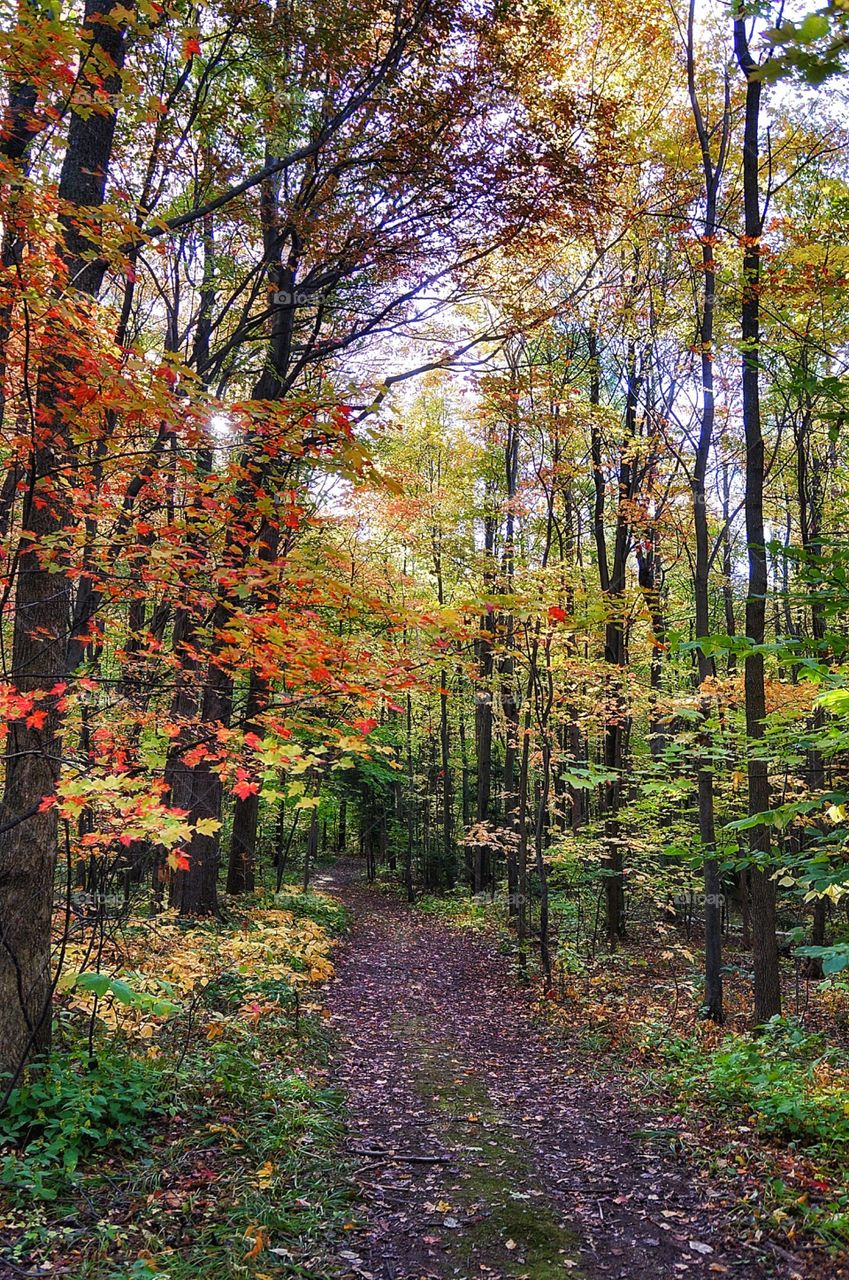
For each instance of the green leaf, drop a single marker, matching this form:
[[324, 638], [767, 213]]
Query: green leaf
[[96, 983], [834, 959], [123, 993], [813, 27]]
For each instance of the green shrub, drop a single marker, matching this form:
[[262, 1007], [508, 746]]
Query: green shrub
[[459, 907], [325, 911], [786, 1079], [66, 1108]]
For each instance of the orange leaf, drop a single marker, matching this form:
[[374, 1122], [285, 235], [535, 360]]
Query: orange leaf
[[259, 1235]]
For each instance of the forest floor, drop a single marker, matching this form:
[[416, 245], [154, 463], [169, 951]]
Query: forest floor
[[486, 1146]]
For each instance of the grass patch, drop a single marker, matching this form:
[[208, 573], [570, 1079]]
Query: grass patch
[[323, 910]]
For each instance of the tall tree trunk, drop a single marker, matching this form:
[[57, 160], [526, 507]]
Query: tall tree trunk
[[810, 477], [727, 565], [449, 870], [483, 712], [342, 826], [194, 891], [764, 945], [22, 122], [507, 683], [713, 172], [28, 843], [411, 805], [465, 794], [612, 582], [311, 851], [240, 864]]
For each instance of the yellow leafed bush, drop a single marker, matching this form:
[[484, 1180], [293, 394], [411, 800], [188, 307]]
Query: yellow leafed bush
[[156, 965]]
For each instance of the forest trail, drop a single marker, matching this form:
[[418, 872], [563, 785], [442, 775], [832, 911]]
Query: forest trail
[[482, 1152]]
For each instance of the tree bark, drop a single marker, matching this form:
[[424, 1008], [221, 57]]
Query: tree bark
[[713, 171], [28, 844], [764, 947]]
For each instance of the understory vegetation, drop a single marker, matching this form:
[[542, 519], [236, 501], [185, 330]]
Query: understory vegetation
[[184, 1122]]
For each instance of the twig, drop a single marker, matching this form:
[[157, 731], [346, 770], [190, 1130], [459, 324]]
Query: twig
[[392, 1155]]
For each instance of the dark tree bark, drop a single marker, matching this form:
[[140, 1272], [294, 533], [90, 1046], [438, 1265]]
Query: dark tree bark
[[194, 891], [516, 874], [483, 715], [810, 487], [727, 565], [28, 845], [22, 122], [465, 794], [762, 886], [612, 582], [311, 851], [411, 806]]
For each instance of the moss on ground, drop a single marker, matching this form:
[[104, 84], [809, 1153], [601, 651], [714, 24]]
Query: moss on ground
[[506, 1222]]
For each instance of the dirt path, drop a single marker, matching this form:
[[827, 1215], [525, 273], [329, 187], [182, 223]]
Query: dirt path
[[483, 1154]]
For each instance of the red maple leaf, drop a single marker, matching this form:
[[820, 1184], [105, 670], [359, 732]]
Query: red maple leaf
[[365, 726]]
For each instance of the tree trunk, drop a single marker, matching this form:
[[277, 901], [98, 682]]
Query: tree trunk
[[612, 582], [28, 845], [311, 851], [713, 172], [483, 718], [764, 947]]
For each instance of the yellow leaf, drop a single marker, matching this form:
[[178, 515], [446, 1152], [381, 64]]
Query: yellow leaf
[[207, 826]]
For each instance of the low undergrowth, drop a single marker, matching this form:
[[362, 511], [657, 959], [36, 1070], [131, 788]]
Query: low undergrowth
[[184, 1124], [767, 1113], [773, 1109], [478, 912]]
